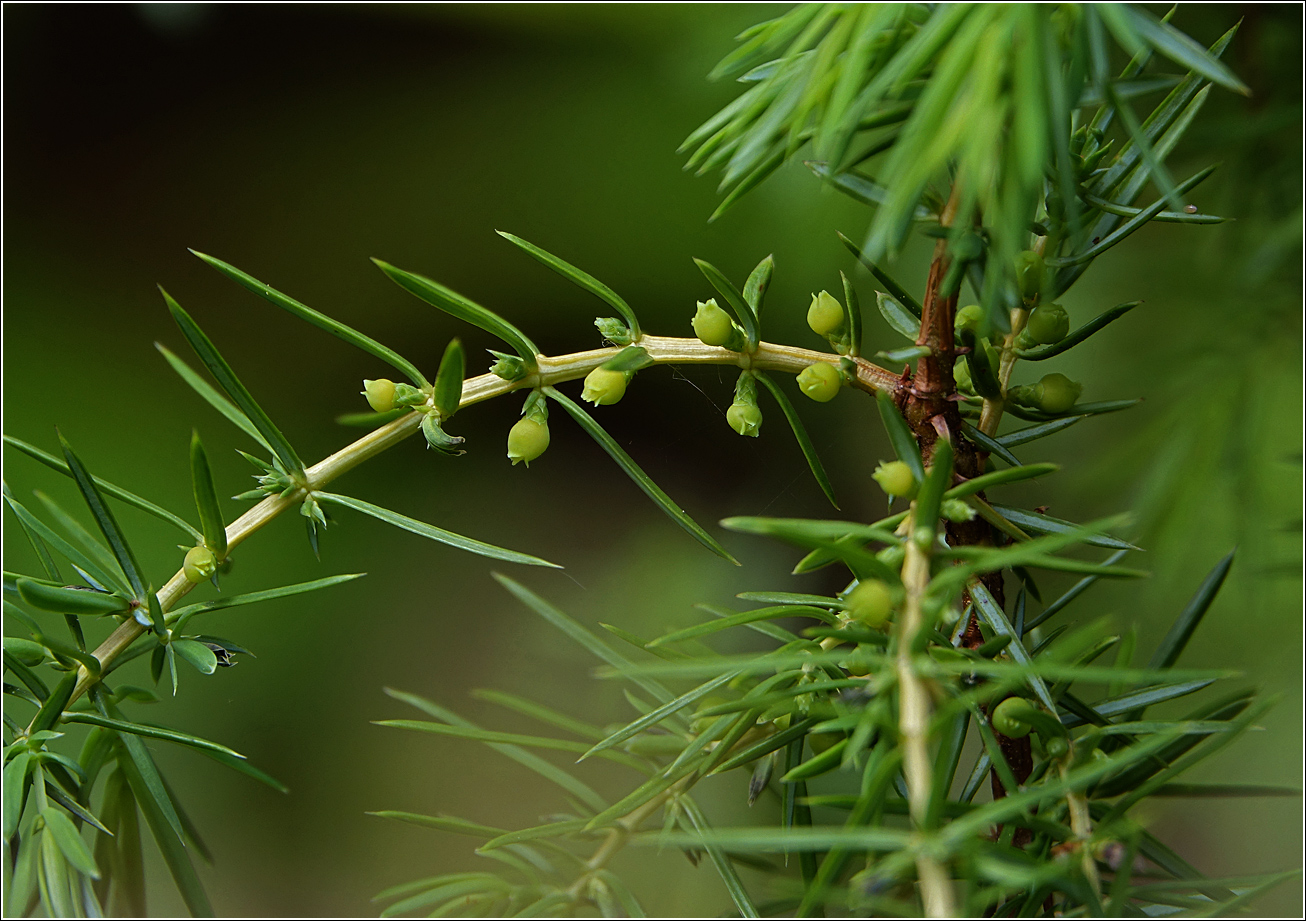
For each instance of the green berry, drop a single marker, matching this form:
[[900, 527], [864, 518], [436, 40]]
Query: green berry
[[603, 387], [895, 478], [200, 564], [1029, 271], [825, 316], [1047, 323], [380, 394], [1010, 717], [745, 418], [869, 603], [712, 325], [820, 381], [1059, 393], [527, 440]]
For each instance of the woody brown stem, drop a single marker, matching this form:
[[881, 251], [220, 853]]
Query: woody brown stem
[[930, 407]]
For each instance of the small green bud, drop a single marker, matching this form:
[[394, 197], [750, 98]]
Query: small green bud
[[961, 374], [1057, 747], [956, 510], [745, 418], [895, 478], [869, 603], [1011, 717], [1059, 393], [713, 325], [1047, 323], [614, 330], [200, 564], [820, 381], [408, 395], [508, 367], [527, 440], [380, 395], [603, 387], [825, 315], [968, 318], [1029, 270]]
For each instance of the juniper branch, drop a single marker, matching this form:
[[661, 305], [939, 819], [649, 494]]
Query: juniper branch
[[550, 370]]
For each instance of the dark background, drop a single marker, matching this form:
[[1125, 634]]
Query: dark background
[[296, 141]]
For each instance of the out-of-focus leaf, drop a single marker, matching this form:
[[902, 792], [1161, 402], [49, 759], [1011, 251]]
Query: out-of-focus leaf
[[720, 860], [582, 791], [1181, 631]]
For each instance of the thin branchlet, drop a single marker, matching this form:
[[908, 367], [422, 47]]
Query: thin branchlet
[[550, 370]]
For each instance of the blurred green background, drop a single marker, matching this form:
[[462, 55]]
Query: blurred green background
[[296, 141]]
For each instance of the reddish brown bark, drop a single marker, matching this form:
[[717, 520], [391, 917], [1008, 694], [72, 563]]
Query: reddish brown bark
[[927, 401]]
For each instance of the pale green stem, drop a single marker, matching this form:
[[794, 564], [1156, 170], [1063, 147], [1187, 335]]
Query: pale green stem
[[991, 412], [1081, 823], [661, 349], [914, 710]]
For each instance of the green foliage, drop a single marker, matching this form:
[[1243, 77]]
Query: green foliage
[[992, 123]]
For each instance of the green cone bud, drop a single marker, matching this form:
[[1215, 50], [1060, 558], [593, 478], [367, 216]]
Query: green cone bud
[[527, 440], [380, 394], [603, 387], [895, 478], [869, 603], [1029, 271], [713, 325], [408, 395], [956, 510], [1057, 747], [825, 315], [200, 564], [820, 381], [745, 418], [1059, 393], [1047, 323], [1011, 717], [614, 330], [507, 367]]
